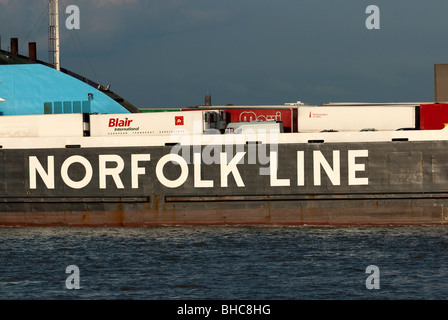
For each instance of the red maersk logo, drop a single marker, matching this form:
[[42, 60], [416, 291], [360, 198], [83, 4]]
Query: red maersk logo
[[179, 120]]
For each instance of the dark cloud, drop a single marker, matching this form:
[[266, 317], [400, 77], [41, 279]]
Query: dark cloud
[[172, 52]]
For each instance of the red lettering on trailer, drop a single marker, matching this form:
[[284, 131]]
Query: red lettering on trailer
[[119, 123]]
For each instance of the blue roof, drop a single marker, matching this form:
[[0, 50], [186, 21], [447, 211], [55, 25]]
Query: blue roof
[[38, 89]]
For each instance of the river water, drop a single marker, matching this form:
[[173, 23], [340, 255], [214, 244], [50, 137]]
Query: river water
[[224, 262]]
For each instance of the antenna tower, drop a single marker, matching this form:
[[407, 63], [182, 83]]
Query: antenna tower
[[53, 34]]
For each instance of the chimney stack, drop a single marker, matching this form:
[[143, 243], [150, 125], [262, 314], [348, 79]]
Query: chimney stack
[[32, 51], [14, 46], [441, 83], [208, 100]]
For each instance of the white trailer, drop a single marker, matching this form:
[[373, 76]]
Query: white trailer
[[148, 124], [43, 125], [257, 126], [356, 118]]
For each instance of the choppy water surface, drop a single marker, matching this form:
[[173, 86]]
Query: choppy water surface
[[229, 262]]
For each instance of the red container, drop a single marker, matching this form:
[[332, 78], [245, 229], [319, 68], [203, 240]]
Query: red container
[[288, 116], [433, 116]]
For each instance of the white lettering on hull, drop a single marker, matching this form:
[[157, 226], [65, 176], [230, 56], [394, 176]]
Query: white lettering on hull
[[114, 172], [135, 159], [47, 176], [334, 174], [113, 165], [198, 182], [183, 167], [84, 181], [353, 167], [227, 168]]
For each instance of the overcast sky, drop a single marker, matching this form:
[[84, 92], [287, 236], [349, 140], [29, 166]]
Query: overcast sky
[[170, 53]]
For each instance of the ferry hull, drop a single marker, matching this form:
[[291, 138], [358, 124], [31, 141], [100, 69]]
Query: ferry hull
[[278, 212], [388, 183]]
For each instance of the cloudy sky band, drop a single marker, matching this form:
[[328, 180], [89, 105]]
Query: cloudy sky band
[[170, 53]]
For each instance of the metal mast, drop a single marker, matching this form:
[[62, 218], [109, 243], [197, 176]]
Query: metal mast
[[53, 34]]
